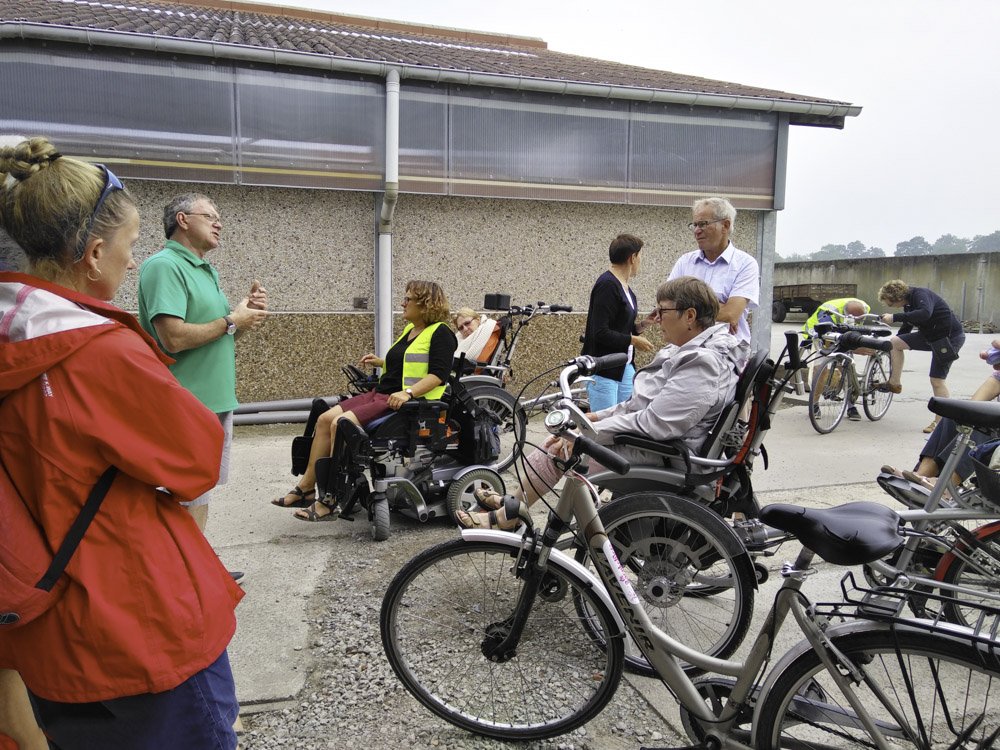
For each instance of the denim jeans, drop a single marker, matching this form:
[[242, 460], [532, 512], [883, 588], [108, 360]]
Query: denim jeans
[[605, 393]]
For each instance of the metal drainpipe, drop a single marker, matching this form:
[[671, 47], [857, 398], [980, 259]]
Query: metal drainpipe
[[383, 252]]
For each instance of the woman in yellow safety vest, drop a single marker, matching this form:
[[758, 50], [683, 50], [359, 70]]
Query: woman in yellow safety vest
[[416, 366]]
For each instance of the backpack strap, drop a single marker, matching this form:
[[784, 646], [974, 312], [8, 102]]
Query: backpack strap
[[75, 534]]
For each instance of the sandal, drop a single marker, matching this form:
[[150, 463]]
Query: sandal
[[926, 482], [888, 387], [489, 499], [930, 428], [507, 518], [886, 469], [310, 514], [305, 499]]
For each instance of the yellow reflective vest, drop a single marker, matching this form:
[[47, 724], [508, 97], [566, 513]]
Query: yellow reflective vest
[[416, 360], [833, 310]]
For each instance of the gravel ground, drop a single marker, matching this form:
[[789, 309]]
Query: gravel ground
[[353, 699]]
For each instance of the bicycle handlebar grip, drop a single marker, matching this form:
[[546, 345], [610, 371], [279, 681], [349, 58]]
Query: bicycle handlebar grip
[[607, 457], [792, 343], [874, 342], [608, 362], [560, 308]]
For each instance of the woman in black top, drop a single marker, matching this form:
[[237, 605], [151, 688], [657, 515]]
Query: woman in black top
[[416, 366], [937, 330], [611, 326]]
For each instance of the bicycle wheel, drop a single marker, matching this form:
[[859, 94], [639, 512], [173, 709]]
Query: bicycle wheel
[[924, 690], [443, 607], [828, 395], [695, 579], [976, 568], [510, 417], [876, 403]]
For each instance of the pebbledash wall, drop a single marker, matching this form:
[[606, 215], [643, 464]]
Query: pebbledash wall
[[312, 249], [967, 282]]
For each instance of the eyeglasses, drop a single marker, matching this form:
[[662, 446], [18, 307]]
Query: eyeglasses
[[692, 225], [111, 183], [660, 310], [212, 218], [466, 324]]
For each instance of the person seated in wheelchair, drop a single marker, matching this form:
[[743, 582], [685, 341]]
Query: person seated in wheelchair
[[679, 395], [416, 366], [478, 336]]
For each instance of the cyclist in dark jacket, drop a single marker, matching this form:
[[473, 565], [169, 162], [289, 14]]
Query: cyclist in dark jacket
[[928, 325]]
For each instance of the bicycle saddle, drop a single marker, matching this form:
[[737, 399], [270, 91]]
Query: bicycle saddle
[[972, 413], [851, 534]]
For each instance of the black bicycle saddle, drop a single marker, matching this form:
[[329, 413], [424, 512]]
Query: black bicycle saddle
[[851, 534]]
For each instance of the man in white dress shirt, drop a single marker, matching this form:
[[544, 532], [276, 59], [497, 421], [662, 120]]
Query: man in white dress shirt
[[732, 273]]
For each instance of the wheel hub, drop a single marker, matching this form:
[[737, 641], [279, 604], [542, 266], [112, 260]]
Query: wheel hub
[[662, 583]]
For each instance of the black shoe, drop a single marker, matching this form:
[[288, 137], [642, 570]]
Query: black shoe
[[237, 576], [852, 414], [816, 412]]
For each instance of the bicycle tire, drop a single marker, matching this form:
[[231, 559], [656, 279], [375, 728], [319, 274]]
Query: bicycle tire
[[875, 402], [974, 569], [929, 683], [828, 395], [512, 420], [444, 603], [675, 549]]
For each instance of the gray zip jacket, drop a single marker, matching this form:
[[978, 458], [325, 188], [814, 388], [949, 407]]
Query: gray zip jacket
[[680, 394]]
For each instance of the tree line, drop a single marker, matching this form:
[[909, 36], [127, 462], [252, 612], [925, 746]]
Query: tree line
[[946, 244]]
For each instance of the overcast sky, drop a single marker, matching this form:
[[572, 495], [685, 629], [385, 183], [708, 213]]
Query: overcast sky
[[922, 158]]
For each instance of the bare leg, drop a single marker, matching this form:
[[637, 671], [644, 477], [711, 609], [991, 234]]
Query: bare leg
[[318, 507], [896, 360], [322, 445], [940, 387], [200, 515], [16, 718]]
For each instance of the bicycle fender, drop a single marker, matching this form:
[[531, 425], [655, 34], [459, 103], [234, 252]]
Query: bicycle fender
[[558, 559]]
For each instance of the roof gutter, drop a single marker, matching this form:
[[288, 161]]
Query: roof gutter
[[831, 114]]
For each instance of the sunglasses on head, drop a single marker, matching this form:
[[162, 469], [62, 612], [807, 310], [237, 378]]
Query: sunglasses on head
[[111, 183]]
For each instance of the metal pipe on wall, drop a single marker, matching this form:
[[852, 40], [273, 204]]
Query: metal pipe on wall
[[383, 250]]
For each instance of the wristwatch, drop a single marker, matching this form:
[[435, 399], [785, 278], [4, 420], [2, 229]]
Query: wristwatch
[[409, 392], [230, 325]]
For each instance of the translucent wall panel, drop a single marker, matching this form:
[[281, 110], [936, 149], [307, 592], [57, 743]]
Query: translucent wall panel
[[527, 145], [683, 152], [423, 138], [310, 130], [149, 117]]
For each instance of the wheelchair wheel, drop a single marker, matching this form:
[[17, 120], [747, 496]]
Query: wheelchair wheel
[[511, 419], [460, 491], [378, 519]]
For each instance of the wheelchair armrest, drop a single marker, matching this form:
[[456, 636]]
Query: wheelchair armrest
[[416, 405], [673, 447]]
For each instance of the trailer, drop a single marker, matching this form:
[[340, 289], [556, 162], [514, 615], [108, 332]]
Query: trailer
[[806, 297]]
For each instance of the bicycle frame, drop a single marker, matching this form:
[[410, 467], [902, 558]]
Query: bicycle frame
[[577, 502]]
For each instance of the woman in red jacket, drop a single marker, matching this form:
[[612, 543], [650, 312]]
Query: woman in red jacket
[[133, 655]]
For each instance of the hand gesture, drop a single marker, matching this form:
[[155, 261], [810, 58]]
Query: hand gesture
[[246, 317], [370, 360], [257, 299], [642, 344]]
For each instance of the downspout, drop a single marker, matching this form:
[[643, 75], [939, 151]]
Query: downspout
[[383, 251]]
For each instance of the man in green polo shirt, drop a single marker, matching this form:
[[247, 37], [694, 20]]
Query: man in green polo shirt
[[183, 307]]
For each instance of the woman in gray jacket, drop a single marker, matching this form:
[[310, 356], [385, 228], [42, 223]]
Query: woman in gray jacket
[[680, 394]]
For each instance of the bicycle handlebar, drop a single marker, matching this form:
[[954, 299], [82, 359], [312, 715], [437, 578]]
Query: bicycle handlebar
[[792, 344], [559, 308], [855, 340], [607, 457]]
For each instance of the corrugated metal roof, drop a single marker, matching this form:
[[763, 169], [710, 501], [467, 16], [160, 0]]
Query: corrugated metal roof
[[356, 38]]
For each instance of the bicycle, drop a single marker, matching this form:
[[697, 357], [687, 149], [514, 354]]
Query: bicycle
[[835, 385], [505, 636]]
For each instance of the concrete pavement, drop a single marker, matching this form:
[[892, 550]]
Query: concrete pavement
[[287, 561]]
